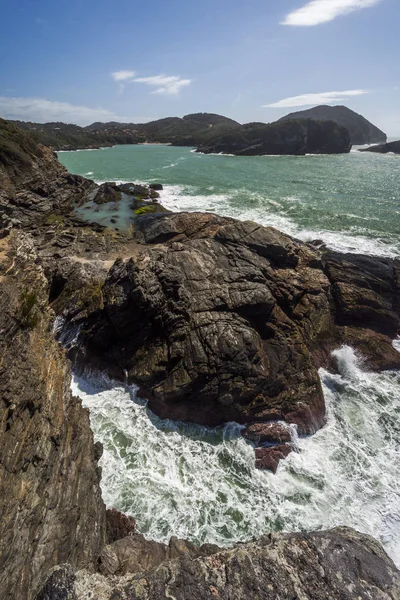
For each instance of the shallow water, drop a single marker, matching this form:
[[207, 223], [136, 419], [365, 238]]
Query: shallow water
[[201, 484], [351, 201]]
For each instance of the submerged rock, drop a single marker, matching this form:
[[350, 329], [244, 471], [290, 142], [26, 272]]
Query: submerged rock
[[268, 458]]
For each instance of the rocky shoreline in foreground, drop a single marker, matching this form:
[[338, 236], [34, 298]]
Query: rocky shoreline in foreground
[[215, 319]]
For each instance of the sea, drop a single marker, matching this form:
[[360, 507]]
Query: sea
[[200, 483]]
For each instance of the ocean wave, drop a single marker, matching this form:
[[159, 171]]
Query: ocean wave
[[164, 473], [270, 212]]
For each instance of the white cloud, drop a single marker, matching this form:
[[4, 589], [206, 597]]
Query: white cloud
[[123, 75], [322, 11], [164, 84], [313, 99], [43, 111]]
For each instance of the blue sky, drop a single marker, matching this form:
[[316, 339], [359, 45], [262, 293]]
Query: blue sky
[[85, 60]]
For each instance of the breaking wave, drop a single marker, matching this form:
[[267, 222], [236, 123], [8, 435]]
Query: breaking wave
[[201, 484]]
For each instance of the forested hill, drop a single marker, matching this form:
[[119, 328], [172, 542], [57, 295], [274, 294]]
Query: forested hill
[[190, 130]]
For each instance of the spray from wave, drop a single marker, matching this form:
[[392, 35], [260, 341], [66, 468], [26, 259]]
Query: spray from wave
[[201, 484]]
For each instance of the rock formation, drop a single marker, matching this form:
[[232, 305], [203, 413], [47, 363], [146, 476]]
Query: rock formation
[[214, 318], [361, 131], [298, 137], [219, 320], [392, 147], [337, 565]]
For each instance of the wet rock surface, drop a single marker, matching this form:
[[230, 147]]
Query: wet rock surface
[[340, 564]]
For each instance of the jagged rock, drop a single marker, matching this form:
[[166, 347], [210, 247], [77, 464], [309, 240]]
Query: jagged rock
[[268, 458], [119, 525], [50, 499], [107, 192], [339, 564], [272, 433], [220, 320], [34, 185], [198, 324], [135, 554], [157, 187]]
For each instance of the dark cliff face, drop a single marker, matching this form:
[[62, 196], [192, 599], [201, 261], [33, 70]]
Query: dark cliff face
[[291, 137], [393, 147], [361, 131]]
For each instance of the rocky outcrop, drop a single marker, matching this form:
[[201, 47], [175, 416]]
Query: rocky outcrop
[[220, 320], [34, 186], [284, 137], [361, 131], [340, 564], [50, 500], [391, 147]]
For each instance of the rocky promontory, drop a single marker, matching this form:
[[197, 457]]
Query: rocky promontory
[[391, 147], [215, 319], [295, 137]]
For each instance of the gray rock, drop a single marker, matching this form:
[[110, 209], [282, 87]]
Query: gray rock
[[340, 564]]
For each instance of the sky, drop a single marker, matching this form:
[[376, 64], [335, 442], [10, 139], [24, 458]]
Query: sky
[[256, 60]]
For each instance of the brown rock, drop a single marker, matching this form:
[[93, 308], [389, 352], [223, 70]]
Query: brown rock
[[268, 458], [273, 433], [119, 525]]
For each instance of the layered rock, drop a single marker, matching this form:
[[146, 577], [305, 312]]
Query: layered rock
[[298, 137], [339, 564], [50, 500]]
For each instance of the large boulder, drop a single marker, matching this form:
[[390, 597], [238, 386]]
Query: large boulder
[[220, 320]]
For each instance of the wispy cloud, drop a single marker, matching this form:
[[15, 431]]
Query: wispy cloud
[[42, 111], [322, 11], [312, 99], [123, 75], [164, 84]]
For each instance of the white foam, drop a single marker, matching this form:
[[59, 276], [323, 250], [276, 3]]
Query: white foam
[[184, 198], [201, 483]]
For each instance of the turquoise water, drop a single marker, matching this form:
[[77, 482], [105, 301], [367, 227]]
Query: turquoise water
[[351, 201]]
